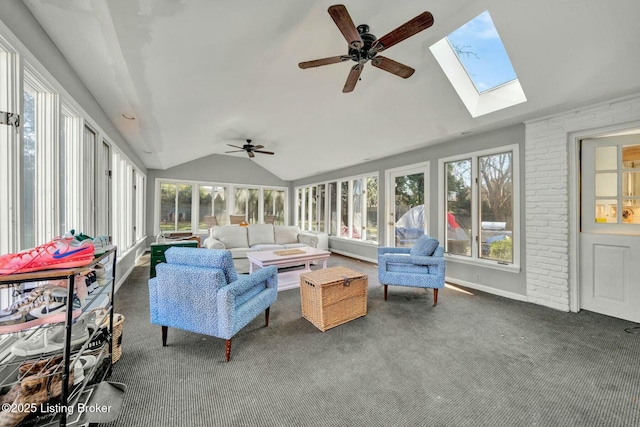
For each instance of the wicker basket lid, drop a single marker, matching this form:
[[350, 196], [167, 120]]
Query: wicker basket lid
[[327, 276]]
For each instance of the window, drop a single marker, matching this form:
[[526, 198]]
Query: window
[[57, 175], [175, 206], [139, 198], [346, 208], [273, 206], [40, 156], [247, 202], [9, 151], [180, 208], [477, 64], [70, 168], [212, 206], [29, 129], [482, 54], [480, 208], [613, 205]]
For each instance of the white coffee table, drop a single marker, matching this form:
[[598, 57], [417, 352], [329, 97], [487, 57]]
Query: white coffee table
[[287, 258]]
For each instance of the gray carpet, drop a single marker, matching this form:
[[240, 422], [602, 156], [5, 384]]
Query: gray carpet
[[473, 360]]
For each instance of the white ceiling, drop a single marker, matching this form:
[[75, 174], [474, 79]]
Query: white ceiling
[[197, 74]]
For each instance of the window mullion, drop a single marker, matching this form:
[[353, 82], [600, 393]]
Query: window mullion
[[350, 209], [475, 207], [10, 93]]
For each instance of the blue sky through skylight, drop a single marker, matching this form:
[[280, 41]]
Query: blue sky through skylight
[[482, 54]]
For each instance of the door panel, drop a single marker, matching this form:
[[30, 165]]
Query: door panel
[[610, 227], [407, 211]]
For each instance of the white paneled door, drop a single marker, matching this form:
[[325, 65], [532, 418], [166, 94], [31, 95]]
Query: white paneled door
[[610, 226]]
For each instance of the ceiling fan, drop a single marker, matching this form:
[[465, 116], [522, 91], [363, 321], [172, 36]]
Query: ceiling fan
[[250, 149], [364, 46]]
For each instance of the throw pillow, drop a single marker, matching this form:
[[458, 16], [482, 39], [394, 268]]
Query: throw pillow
[[286, 234], [261, 234], [424, 246]]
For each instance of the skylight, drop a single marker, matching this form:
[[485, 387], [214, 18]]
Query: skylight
[[478, 66], [479, 48]]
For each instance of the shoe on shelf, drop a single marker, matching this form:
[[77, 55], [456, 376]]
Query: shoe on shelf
[[55, 301], [101, 244], [20, 304], [37, 386], [88, 361], [50, 307], [47, 340], [78, 373], [58, 253], [15, 313]]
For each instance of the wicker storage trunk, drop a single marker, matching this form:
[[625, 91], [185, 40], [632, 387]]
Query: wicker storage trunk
[[333, 296]]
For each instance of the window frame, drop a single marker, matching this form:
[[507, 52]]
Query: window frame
[[475, 258], [59, 169], [230, 200], [306, 208]]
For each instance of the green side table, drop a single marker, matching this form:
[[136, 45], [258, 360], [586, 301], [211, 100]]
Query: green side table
[[158, 249]]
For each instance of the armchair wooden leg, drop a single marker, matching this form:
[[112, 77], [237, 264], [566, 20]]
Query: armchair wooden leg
[[435, 297], [385, 292], [164, 336], [266, 317], [227, 350]]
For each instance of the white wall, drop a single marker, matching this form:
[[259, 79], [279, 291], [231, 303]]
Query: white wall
[[550, 197]]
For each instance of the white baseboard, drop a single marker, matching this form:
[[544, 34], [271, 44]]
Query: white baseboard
[[487, 289], [350, 255]]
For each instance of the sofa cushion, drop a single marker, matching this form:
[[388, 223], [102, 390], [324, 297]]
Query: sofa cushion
[[267, 247], [231, 236], [240, 252], [424, 246], [295, 245], [261, 234], [286, 234]]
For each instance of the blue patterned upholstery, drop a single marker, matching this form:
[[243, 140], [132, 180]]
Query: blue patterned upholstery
[[198, 290], [400, 267]]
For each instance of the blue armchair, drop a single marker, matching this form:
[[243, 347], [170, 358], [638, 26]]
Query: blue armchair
[[420, 266], [198, 290]]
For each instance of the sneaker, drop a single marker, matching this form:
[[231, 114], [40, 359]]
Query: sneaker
[[20, 304], [55, 301], [78, 373], [87, 361], [50, 307], [47, 340], [58, 253], [101, 244]]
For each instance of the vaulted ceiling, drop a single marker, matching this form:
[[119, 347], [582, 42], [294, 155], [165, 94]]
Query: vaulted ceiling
[[200, 74]]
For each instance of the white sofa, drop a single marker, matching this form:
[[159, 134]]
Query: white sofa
[[257, 237]]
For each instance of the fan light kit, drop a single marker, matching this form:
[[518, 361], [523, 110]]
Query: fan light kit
[[364, 46], [250, 149]]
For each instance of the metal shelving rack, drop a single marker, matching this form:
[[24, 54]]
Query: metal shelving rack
[[71, 397]]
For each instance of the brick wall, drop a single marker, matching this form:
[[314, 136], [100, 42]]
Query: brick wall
[[546, 186]]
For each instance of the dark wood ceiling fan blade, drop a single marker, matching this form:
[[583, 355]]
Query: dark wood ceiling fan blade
[[250, 153], [264, 152], [346, 26], [392, 66], [323, 61], [235, 146], [404, 31], [234, 151], [352, 78]]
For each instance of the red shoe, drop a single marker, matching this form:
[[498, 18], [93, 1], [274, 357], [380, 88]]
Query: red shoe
[[58, 253]]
